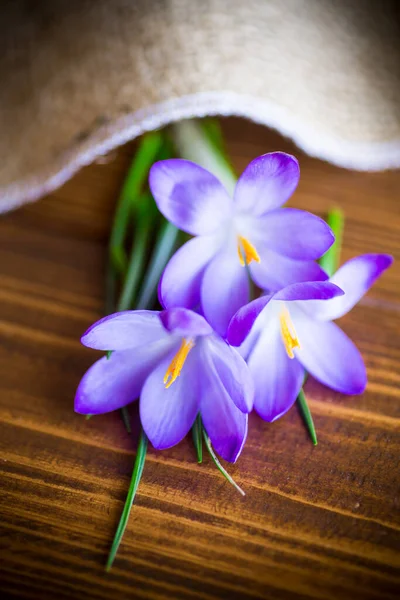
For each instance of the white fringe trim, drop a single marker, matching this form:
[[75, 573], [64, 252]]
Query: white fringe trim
[[351, 155]]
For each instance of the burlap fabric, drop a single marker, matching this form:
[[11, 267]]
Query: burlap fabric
[[80, 77]]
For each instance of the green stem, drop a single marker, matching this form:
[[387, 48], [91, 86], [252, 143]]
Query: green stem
[[111, 288], [134, 270], [126, 419], [330, 261], [197, 438], [136, 476], [135, 179], [163, 250], [196, 143], [212, 129], [307, 417], [137, 259], [218, 464], [137, 176], [133, 202]]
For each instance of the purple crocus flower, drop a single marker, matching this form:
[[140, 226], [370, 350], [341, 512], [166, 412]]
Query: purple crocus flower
[[279, 244], [179, 367], [286, 333]]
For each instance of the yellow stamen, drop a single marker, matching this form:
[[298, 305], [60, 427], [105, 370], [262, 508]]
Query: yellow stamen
[[250, 253], [288, 333], [176, 365]]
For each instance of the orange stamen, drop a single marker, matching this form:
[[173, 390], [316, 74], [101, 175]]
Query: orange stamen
[[288, 333], [246, 251], [176, 365]]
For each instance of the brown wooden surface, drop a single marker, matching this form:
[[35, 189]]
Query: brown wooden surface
[[317, 522]]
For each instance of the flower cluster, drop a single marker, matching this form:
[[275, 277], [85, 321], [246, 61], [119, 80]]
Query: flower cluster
[[213, 350]]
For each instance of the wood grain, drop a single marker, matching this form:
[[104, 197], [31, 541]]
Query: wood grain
[[317, 522]]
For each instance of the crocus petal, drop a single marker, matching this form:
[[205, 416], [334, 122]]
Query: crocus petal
[[115, 382], [224, 289], [124, 330], [267, 183], [189, 196], [181, 281], [184, 322], [321, 290], [294, 233], [225, 425], [224, 422], [329, 355], [167, 414], [277, 378], [232, 371], [275, 271], [244, 319], [355, 277]]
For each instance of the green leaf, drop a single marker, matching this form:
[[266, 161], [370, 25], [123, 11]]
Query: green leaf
[[108, 354], [145, 155], [133, 205], [330, 261], [194, 144], [163, 250], [165, 243], [212, 129], [135, 180], [167, 149], [197, 438], [134, 484], [307, 417], [218, 464], [144, 221], [111, 288], [126, 419]]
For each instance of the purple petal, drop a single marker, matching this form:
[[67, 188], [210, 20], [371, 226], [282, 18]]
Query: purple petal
[[267, 183], [244, 319], [329, 355], [294, 233], [321, 290], [189, 196], [355, 277], [225, 288], [224, 422], [275, 271], [168, 414], [232, 372], [277, 378], [225, 425], [124, 330], [181, 281], [115, 382], [184, 322]]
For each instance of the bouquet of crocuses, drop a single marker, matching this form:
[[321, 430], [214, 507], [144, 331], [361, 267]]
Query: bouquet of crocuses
[[245, 310]]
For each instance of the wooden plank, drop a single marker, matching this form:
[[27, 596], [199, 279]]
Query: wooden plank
[[317, 522]]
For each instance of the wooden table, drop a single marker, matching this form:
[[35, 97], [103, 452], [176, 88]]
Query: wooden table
[[317, 522]]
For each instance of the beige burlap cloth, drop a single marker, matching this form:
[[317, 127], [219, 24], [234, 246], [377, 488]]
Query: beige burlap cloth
[[80, 77]]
